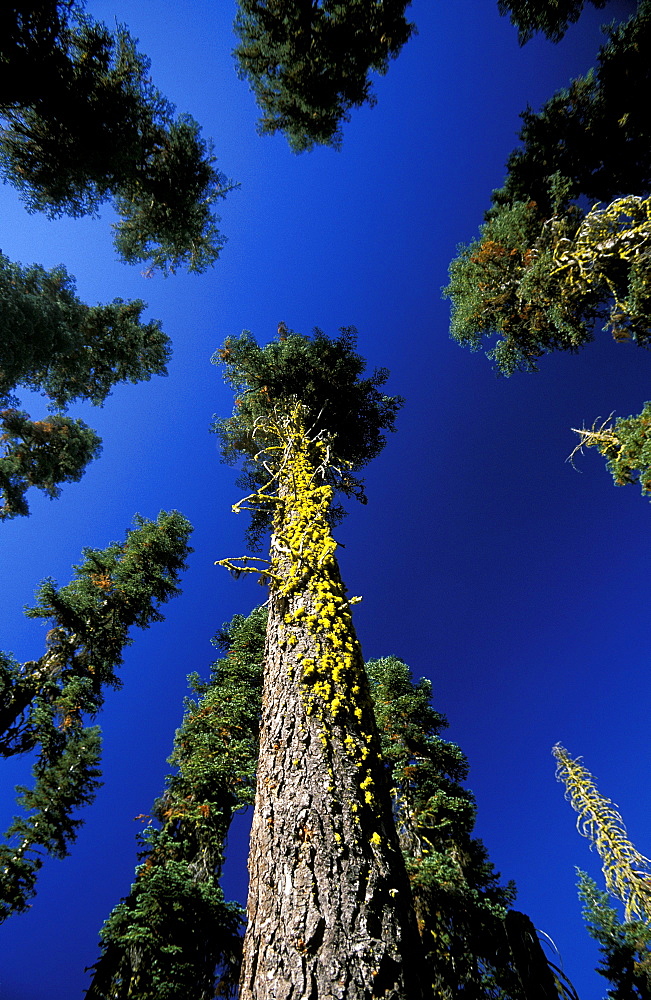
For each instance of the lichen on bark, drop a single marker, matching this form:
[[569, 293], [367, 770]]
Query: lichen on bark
[[330, 913]]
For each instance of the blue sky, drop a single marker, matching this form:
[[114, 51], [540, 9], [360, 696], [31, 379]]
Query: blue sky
[[517, 584]]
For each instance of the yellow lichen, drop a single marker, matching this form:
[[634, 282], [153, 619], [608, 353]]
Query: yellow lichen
[[303, 561]]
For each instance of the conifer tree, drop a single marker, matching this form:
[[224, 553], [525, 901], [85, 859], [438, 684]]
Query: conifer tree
[[46, 703], [158, 941], [43, 454], [551, 17], [546, 271], [82, 122], [54, 344], [626, 446], [308, 63], [475, 944], [626, 871], [174, 932], [342, 924], [625, 945]]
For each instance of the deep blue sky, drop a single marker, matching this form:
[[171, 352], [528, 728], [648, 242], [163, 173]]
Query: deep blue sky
[[517, 584]]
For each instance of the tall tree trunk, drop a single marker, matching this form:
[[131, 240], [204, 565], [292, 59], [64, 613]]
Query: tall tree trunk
[[330, 909]]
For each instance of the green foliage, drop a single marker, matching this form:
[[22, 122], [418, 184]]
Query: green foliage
[[51, 342], [540, 285], [44, 703], [83, 122], [152, 947], [325, 375], [486, 289], [54, 344], [624, 945], [552, 17], [116, 588], [166, 208], [545, 270], [308, 63], [41, 453], [475, 946], [459, 902], [593, 134], [166, 938], [67, 773], [589, 141], [626, 445]]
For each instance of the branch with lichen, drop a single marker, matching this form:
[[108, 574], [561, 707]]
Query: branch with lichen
[[602, 437], [626, 871]]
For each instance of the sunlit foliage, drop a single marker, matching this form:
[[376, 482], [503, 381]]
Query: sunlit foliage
[[540, 285], [626, 446]]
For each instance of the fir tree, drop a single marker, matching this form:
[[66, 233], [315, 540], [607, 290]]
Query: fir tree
[[626, 446], [46, 702], [305, 422], [83, 122], [541, 284], [154, 947], [53, 343], [626, 871], [551, 17], [475, 945], [546, 271], [308, 63], [624, 945], [174, 934], [43, 454]]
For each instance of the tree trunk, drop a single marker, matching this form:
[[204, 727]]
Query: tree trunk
[[330, 909]]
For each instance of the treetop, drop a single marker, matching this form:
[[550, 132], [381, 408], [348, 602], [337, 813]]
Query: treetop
[[324, 374]]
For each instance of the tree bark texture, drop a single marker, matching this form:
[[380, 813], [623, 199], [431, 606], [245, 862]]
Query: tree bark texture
[[330, 913]]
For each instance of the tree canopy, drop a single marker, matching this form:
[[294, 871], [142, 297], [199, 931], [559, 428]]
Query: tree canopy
[[624, 944], [82, 122], [308, 61], [46, 702], [53, 343], [548, 270], [152, 947], [295, 367], [174, 933], [590, 139], [41, 454], [552, 19]]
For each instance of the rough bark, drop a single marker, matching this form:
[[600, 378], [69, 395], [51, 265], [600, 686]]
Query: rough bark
[[330, 910]]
